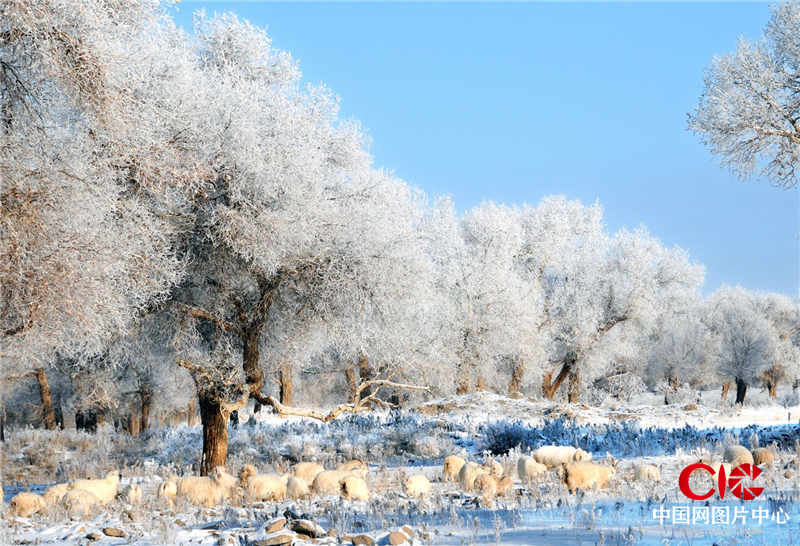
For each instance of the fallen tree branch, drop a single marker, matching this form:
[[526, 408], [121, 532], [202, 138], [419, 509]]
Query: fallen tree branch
[[356, 407]]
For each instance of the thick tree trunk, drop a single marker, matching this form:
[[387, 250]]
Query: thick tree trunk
[[515, 385], [48, 414], [574, 393], [741, 390], [251, 360], [86, 420], [547, 383], [286, 384], [215, 435], [463, 382], [773, 389], [135, 421], [725, 388], [146, 398]]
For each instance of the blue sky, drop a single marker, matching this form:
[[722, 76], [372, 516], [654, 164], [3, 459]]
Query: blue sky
[[512, 102]]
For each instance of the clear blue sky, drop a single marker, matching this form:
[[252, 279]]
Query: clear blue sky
[[512, 102]]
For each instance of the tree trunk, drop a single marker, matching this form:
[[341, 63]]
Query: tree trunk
[[741, 390], [547, 383], [463, 382], [146, 398], [135, 421], [251, 360], [365, 373], [48, 414], [86, 420], [550, 392], [352, 384], [191, 419], [574, 392], [215, 435], [725, 388], [773, 389], [515, 385], [286, 384], [480, 384]]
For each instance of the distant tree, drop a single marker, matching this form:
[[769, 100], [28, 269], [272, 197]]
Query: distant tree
[[595, 285], [493, 312], [749, 111], [747, 342]]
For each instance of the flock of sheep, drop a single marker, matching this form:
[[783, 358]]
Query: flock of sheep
[[306, 479]]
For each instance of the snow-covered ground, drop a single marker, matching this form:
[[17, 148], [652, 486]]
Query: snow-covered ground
[[397, 444]]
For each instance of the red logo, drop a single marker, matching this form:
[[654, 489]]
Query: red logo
[[733, 483]]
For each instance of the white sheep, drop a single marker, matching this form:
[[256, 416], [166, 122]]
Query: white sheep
[[737, 455], [452, 466], [469, 472], [80, 502], [105, 490], [528, 469], [26, 504], [263, 487], [168, 490], [53, 495], [487, 485], [355, 467], [555, 456], [504, 486], [297, 488], [417, 485], [206, 491], [586, 475], [646, 472], [354, 488], [763, 456], [307, 471], [329, 482], [133, 494], [494, 468]]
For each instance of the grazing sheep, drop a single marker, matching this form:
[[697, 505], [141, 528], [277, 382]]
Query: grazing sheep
[[263, 487], [80, 502], [452, 466], [53, 495], [646, 472], [417, 486], [586, 475], [486, 484], [329, 482], [467, 475], [763, 456], [307, 471], [555, 456], [737, 455], [504, 486], [355, 467], [528, 469], [133, 495], [169, 490], [297, 488], [105, 490], [354, 488], [494, 468], [205, 491], [25, 505]]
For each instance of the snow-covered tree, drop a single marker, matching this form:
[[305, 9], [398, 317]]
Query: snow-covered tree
[[747, 343], [595, 284], [493, 313], [93, 132], [749, 112]]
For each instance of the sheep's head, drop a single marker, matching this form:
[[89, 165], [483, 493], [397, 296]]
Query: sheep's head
[[247, 471], [581, 455], [218, 474], [114, 476]]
